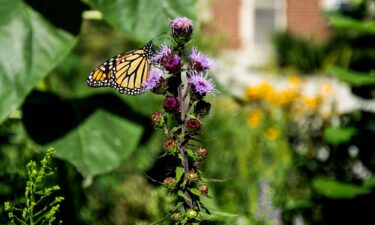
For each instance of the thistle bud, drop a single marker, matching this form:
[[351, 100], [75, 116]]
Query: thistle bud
[[193, 124], [173, 63], [157, 119], [202, 152], [170, 104], [182, 29], [176, 216], [169, 181], [203, 189], [191, 175], [170, 146], [191, 213]]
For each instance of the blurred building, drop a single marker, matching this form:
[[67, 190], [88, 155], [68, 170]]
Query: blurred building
[[248, 25]]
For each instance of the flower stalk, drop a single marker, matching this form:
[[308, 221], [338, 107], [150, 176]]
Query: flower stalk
[[184, 84]]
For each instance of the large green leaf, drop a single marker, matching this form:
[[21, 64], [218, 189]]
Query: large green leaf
[[338, 135], [334, 189], [345, 22], [30, 48], [144, 19], [353, 78], [100, 144]]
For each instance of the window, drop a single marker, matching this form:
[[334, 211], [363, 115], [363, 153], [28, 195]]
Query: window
[[268, 17]]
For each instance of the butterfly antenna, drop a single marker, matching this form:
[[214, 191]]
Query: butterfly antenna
[[157, 36]]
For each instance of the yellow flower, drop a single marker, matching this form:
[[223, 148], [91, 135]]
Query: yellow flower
[[254, 118], [326, 89], [294, 80], [311, 102], [261, 92], [272, 133], [252, 94], [266, 91], [284, 97]]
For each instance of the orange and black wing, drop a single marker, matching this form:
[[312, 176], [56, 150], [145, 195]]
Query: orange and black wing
[[101, 76], [130, 71]]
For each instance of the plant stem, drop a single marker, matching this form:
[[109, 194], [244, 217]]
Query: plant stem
[[183, 142]]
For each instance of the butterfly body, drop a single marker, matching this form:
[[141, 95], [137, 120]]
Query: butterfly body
[[126, 72]]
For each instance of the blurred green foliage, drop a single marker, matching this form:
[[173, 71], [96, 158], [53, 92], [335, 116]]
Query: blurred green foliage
[[299, 53], [339, 183], [45, 59], [42, 201], [247, 158], [256, 174]]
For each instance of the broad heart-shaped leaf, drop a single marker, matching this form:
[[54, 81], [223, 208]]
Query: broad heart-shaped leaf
[[30, 48], [99, 144], [142, 20], [337, 190]]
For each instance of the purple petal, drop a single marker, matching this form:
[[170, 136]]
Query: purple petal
[[154, 79], [201, 83]]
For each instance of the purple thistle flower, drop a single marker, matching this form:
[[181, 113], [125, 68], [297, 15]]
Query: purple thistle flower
[[200, 62], [156, 75], [173, 63], [201, 83], [181, 25], [164, 52]]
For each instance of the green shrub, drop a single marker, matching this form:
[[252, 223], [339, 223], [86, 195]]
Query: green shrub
[[301, 53], [40, 206]]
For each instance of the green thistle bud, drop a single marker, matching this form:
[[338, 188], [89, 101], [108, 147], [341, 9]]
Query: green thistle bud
[[192, 175], [157, 119], [176, 216], [191, 213], [169, 181]]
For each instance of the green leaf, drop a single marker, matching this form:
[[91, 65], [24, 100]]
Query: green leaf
[[142, 20], [298, 203], [195, 191], [337, 190], [216, 215], [179, 172], [353, 78], [100, 144], [30, 48], [369, 182], [345, 22], [181, 194], [338, 135]]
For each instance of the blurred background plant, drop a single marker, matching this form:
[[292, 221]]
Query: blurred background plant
[[42, 204], [278, 155]]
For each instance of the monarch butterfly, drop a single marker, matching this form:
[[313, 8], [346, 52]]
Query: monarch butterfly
[[126, 72]]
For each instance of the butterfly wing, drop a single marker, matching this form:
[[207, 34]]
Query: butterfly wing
[[101, 76], [130, 72], [126, 72]]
